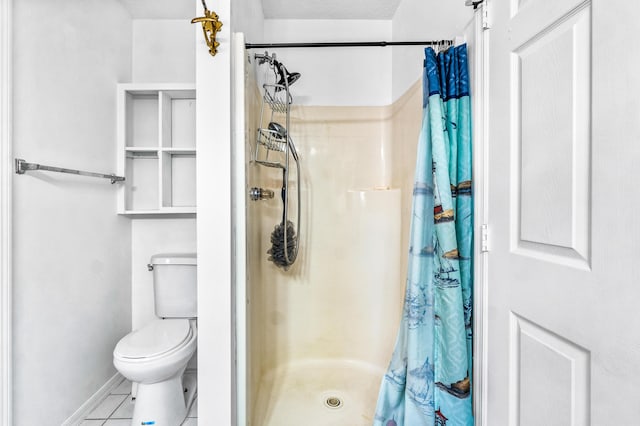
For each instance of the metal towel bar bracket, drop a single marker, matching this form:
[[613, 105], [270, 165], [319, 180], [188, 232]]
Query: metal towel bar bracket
[[22, 167]]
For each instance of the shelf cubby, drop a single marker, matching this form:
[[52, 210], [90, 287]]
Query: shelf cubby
[[157, 149]]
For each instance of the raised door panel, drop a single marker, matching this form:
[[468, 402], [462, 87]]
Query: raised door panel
[[549, 375], [550, 140]]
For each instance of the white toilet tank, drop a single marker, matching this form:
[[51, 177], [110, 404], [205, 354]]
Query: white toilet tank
[[175, 285]]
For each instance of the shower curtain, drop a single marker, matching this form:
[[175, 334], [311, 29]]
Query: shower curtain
[[428, 381]]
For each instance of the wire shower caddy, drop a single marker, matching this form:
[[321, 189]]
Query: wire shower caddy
[[274, 148]]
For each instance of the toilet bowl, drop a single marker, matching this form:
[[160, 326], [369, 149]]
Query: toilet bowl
[[155, 357]]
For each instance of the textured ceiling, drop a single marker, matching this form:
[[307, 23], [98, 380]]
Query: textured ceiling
[[329, 9]]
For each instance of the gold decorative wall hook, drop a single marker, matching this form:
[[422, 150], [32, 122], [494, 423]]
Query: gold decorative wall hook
[[211, 24]]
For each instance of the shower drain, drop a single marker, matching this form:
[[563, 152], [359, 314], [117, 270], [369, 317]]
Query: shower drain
[[333, 402]]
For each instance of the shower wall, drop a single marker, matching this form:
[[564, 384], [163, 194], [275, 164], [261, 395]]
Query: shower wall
[[407, 117], [342, 299], [256, 233]]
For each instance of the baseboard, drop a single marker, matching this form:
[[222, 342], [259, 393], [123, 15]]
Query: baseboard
[[91, 403]]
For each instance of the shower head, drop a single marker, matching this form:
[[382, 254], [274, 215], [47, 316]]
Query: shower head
[[292, 77], [285, 75]]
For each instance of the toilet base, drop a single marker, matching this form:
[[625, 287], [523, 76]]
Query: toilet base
[[164, 403], [190, 386]]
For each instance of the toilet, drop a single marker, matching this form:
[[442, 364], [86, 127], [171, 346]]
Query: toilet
[[155, 356]]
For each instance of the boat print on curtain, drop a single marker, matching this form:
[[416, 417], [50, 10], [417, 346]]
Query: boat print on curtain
[[428, 379]]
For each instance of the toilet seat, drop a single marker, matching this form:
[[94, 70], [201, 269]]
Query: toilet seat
[[155, 339]]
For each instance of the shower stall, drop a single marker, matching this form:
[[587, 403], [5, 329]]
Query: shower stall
[[320, 333], [314, 339]]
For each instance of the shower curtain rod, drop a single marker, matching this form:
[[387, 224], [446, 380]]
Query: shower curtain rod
[[347, 44]]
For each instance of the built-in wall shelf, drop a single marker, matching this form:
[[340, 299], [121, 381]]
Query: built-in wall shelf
[[157, 149]]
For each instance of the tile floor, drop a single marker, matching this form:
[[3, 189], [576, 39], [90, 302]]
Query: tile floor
[[117, 409]]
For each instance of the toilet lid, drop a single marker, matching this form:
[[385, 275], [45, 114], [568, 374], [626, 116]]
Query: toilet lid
[[155, 338]]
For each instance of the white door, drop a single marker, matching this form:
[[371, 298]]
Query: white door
[[564, 213]]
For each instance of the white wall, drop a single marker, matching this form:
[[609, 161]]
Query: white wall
[[6, 177], [348, 76], [247, 17], [163, 51], [72, 278], [422, 20]]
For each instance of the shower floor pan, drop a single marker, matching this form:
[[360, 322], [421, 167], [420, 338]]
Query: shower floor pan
[[318, 393]]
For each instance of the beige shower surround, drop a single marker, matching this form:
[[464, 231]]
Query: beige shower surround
[[336, 301]]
